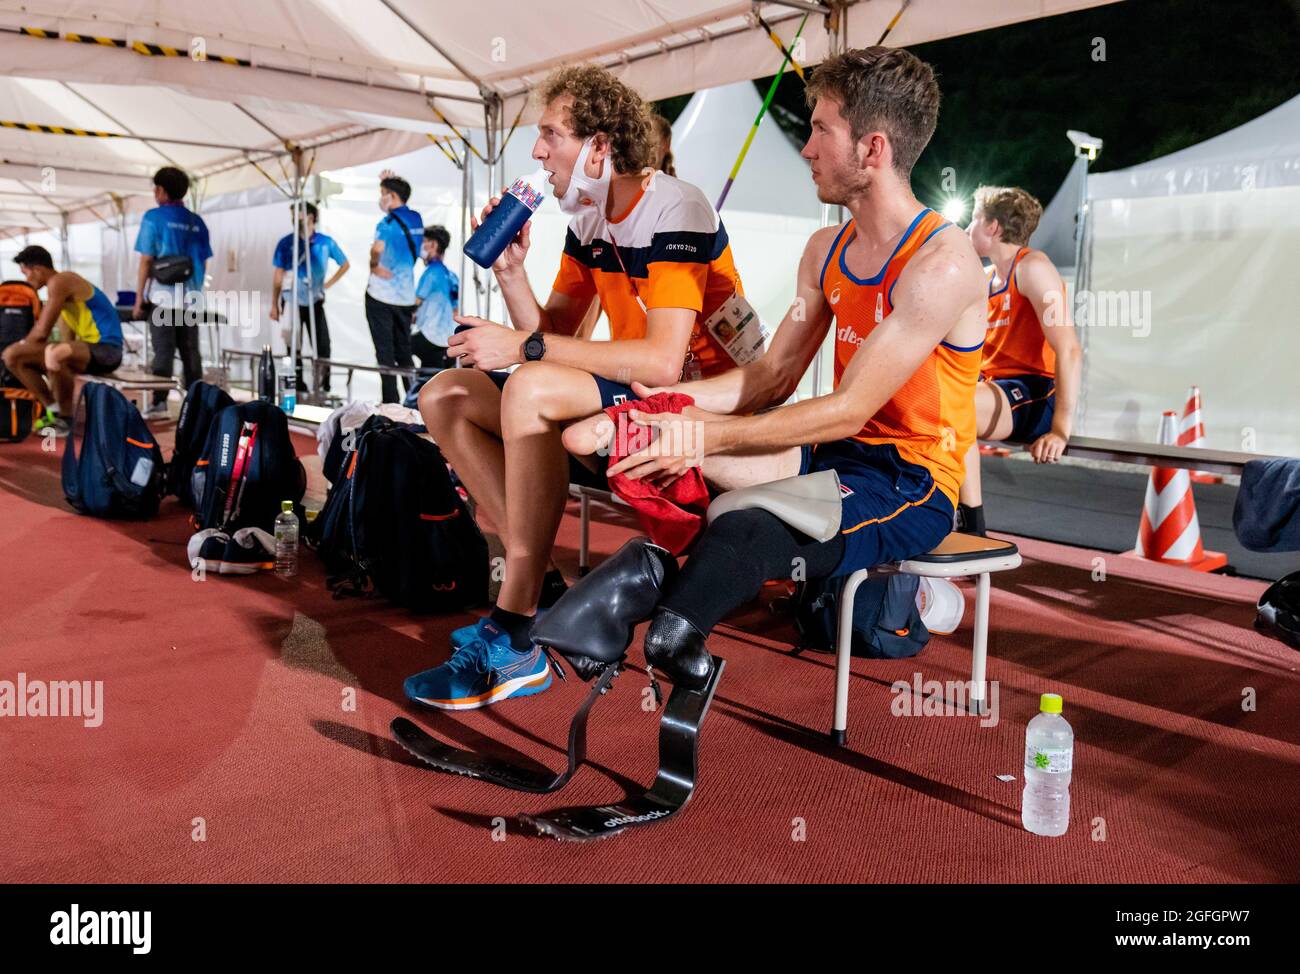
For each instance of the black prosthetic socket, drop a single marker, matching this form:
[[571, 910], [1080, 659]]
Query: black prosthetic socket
[[970, 520], [591, 625], [738, 553], [677, 648], [553, 587]]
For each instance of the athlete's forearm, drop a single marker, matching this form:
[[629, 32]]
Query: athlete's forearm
[[1068, 370], [525, 313], [631, 360], [820, 420], [736, 391]]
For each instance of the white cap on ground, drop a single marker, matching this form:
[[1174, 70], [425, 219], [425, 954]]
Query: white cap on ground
[[941, 604]]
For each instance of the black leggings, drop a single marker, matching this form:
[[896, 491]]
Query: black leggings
[[738, 553]]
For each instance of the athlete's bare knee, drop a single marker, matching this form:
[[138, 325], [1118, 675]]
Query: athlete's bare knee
[[56, 355]]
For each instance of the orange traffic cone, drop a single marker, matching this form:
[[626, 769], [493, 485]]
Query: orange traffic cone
[[1170, 531], [1191, 432]]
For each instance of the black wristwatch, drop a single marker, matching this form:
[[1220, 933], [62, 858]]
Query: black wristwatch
[[534, 347]]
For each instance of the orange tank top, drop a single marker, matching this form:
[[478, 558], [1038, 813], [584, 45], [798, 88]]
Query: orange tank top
[[1014, 343], [930, 420]]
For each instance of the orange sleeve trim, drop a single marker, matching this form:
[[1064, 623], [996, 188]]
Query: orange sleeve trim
[[439, 517], [143, 446], [676, 285]]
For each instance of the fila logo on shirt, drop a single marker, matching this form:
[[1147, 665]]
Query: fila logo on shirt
[[845, 491]]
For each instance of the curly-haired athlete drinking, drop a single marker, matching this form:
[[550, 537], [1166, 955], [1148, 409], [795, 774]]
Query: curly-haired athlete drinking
[[651, 249]]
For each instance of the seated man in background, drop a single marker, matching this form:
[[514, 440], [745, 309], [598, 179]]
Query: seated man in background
[[1032, 359], [652, 250], [315, 251], [436, 298], [904, 292], [173, 243], [91, 340]]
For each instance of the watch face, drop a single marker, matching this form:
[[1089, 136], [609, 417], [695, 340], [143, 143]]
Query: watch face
[[534, 347]]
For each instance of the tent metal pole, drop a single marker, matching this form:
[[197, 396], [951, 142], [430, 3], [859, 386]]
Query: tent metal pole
[[464, 227], [293, 303], [63, 241]]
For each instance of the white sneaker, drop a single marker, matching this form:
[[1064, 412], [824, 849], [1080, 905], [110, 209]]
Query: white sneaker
[[941, 604]]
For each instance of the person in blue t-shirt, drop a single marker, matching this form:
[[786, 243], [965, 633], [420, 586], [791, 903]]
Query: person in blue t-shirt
[[436, 296], [173, 245], [390, 292], [315, 251]]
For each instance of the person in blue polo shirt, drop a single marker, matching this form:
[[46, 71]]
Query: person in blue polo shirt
[[174, 251], [315, 251], [390, 292], [437, 294]]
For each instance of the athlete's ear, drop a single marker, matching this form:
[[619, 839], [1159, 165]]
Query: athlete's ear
[[872, 149], [600, 149]]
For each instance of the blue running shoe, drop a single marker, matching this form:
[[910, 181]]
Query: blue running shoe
[[462, 637], [484, 671]]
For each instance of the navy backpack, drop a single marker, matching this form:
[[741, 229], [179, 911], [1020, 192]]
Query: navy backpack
[[886, 622], [112, 466], [248, 466], [202, 403]]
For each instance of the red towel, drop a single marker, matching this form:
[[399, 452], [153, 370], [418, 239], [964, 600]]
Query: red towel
[[671, 515]]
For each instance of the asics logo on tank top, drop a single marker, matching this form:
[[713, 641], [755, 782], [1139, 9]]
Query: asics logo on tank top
[[834, 296]]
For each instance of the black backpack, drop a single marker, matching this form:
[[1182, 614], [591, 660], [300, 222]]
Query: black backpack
[[247, 468], [886, 621], [1279, 610], [394, 524], [112, 465], [202, 403]]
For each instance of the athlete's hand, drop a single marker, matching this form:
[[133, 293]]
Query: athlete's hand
[[485, 345], [679, 442], [379, 270], [1048, 448], [275, 311], [512, 258]]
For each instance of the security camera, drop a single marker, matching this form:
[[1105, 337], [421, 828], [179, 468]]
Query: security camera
[[1084, 144]]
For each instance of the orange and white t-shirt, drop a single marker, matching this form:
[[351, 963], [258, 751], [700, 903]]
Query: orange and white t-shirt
[[669, 249]]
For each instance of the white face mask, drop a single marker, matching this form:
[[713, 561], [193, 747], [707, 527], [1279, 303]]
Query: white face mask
[[584, 191]]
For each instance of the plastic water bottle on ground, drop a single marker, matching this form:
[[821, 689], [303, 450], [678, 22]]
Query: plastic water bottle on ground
[[288, 386], [286, 540], [507, 218], [1049, 760]]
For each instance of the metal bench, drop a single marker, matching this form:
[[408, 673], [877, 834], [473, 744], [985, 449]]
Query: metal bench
[[135, 384]]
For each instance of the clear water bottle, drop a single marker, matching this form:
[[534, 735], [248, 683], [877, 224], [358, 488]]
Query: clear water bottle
[[517, 206], [1049, 759], [288, 385], [286, 541]]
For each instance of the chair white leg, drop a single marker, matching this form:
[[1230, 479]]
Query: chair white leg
[[979, 656], [843, 653], [584, 530]]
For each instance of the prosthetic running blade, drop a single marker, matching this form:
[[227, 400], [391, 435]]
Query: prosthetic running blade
[[455, 760], [679, 730]]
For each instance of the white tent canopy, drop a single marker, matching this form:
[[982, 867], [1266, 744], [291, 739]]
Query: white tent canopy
[[340, 76], [1193, 283]]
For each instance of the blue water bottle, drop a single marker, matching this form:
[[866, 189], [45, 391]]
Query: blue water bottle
[[506, 219]]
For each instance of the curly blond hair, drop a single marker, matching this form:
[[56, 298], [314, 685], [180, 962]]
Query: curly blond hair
[[602, 103], [1015, 210]]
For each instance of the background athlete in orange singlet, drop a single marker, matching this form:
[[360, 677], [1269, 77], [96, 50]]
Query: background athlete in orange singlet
[[905, 294], [1032, 357]]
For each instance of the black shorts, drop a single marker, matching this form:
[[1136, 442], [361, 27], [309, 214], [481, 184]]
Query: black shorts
[[1033, 405], [611, 394], [104, 358]]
